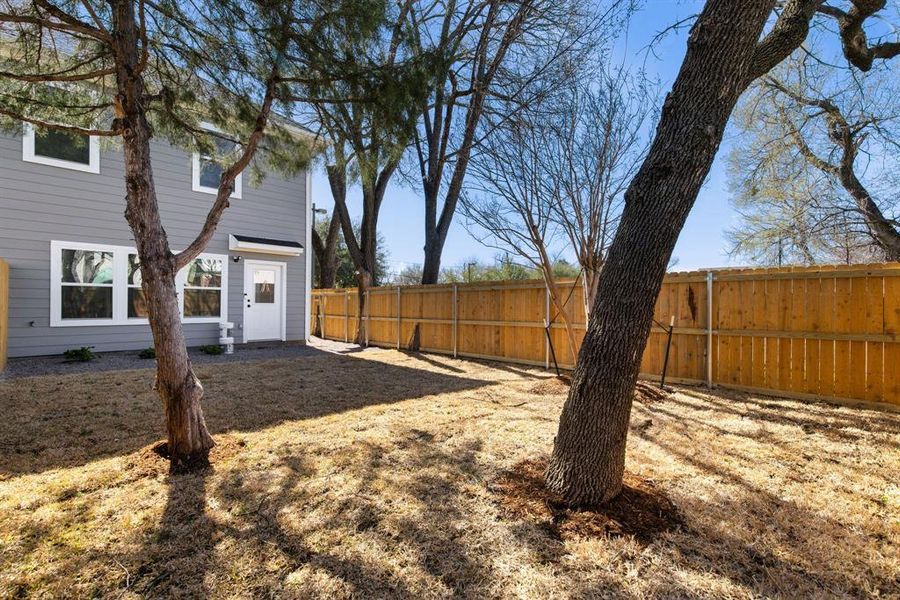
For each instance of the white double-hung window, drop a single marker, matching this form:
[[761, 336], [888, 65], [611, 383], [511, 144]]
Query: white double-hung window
[[203, 286], [96, 284]]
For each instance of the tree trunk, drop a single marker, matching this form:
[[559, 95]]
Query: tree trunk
[[434, 247], [364, 282], [550, 285], [882, 231], [588, 460], [326, 253], [189, 442], [590, 282], [363, 252], [559, 303]]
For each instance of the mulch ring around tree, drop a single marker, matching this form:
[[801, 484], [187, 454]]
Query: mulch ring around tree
[[153, 459], [641, 510], [551, 386]]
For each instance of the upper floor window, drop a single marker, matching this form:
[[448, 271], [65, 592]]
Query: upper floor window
[[61, 149], [207, 170]]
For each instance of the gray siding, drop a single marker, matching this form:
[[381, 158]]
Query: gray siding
[[40, 203]]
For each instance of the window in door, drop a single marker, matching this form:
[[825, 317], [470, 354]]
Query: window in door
[[264, 286]]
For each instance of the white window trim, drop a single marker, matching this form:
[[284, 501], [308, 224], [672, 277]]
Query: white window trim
[[56, 319], [28, 154], [120, 287], [181, 284], [195, 172]]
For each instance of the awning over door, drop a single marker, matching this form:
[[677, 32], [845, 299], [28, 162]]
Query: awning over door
[[262, 245]]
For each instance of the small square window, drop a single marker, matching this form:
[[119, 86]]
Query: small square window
[[264, 286], [207, 170], [61, 149], [87, 302]]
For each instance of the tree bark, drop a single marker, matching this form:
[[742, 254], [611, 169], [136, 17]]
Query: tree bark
[[189, 441], [326, 253], [363, 252], [883, 232], [434, 247], [588, 460]]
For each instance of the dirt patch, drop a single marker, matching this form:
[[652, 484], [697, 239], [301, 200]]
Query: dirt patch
[[644, 392], [641, 510], [153, 459], [551, 386], [648, 393]]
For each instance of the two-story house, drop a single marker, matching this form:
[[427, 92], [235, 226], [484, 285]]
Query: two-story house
[[74, 278]]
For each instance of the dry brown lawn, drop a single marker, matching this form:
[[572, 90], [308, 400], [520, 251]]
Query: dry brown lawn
[[374, 475]]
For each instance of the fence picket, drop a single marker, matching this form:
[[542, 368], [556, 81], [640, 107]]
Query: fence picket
[[833, 331]]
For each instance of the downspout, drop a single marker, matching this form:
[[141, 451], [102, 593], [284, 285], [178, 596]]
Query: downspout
[[308, 251]]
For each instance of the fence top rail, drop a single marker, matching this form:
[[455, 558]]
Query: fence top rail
[[738, 271], [720, 274]]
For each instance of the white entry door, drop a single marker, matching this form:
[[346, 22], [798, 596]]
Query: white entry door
[[264, 300]]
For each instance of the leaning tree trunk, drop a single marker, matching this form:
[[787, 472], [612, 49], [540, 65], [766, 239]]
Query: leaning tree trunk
[[882, 230], [560, 305], [189, 442], [588, 460], [553, 291]]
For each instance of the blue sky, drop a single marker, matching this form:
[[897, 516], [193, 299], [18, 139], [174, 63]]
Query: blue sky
[[701, 243]]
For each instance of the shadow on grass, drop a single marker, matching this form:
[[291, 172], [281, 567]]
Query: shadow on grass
[[413, 514], [403, 519], [344, 540], [808, 417], [178, 554], [758, 540], [66, 421]]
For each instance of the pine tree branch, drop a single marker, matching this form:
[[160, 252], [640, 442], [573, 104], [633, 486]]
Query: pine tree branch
[[229, 175]]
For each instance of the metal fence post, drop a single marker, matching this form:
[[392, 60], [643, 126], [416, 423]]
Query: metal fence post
[[399, 317], [709, 328], [455, 320]]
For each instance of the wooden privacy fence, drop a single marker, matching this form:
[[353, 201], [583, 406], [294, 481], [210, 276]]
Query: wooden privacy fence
[[4, 312], [829, 332]]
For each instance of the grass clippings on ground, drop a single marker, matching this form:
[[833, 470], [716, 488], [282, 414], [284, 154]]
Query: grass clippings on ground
[[373, 475]]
